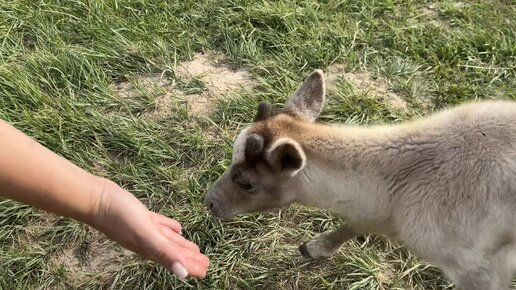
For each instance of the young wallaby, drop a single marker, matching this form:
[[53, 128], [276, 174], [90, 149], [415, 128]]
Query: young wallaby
[[444, 185]]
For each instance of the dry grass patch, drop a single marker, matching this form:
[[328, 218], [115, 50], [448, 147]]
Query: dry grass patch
[[364, 83], [95, 257], [210, 75], [432, 15]]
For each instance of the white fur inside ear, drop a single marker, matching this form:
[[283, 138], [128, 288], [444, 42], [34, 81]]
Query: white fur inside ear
[[295, 144], [239, 147]]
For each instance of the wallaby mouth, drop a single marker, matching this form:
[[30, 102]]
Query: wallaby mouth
[[216, 209]]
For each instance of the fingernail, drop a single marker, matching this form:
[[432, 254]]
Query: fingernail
[[179, 271]]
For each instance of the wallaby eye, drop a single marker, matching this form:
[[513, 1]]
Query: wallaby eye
[[246, 186]]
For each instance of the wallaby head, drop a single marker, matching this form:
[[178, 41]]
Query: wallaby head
[[266, 159]]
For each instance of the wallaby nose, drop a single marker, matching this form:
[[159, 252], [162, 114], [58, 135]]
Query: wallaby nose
[[208, 203]]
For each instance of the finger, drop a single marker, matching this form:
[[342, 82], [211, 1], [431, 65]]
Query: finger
[[179, 270], [168, 222], [195, 263], [180, 240], [199, 257]]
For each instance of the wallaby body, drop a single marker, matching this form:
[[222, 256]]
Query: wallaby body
[[444, 185]]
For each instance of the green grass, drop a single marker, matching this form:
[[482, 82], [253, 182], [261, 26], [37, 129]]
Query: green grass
[[57, 62]]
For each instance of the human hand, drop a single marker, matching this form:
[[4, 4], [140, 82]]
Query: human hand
[[125, 220], [32, 174]]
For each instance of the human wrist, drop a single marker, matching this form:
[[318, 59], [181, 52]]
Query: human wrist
[[93, 213]]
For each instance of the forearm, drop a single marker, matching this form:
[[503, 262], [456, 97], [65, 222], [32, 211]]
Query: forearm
[[34, 175]]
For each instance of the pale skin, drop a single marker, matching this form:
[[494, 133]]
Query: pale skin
[[32, 174]]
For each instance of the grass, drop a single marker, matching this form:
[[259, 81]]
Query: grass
[[59, 59]]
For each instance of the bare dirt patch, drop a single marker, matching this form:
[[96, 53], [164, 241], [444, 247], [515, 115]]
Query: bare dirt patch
[[220, 80], [210, 70], [214, 71], [130, 89], [97, 256], [364, 83], [33, 230], [385, 275], [430, 11], [432, 15]]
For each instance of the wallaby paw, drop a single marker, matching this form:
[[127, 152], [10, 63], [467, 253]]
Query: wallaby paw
[[316, 249]]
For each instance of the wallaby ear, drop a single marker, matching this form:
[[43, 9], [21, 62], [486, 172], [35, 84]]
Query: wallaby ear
[[287, 155], [308, 100], [253, 147], [264, 111]]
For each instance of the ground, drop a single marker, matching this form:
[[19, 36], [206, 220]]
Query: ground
[[151, 94]]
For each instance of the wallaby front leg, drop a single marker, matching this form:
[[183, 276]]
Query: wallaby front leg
[[327, 243]]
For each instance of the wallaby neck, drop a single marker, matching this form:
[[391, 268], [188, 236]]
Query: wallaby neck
[[346, 148], [346, 167]]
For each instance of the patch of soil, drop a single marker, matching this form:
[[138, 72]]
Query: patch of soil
[[32, 231], [363, 82], [164, 104], [97, 256], [218, 78], [386, 275], [431, 14], [128, 91], [214, 71]]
